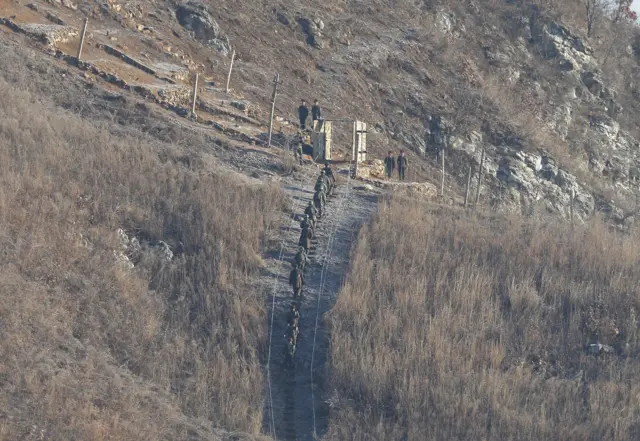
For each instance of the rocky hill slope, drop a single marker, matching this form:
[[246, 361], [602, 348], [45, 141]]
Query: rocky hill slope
[[553, 109]]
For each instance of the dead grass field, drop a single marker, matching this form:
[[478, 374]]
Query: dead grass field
[[92, 351], [470, 327]]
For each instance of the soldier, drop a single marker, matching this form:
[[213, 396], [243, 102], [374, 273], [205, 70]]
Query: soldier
[[403, 164], [311, 211], [305, 239], [296, 280], [389, 164], [303, 114], [301, 258], [329, 173], [318, 199], [293, 318], [289, 352], [307, 224]]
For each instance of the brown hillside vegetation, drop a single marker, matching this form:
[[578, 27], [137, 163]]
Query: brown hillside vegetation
[[467, 327], [90, 349]]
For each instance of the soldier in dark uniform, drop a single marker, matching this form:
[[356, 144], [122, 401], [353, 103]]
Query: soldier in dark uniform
[[307, 224], [303, 114], [318, 201], [289, 352], [296, 280], [329, 173], [293, 318], [311, 211], [305, 239], [301, 258]]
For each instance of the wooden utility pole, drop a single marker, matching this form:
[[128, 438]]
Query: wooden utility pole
[[479, 178], [276, 81], [466, 192], [195, 96], [573, 198], [233, 56], [442, 181], [82, 35]]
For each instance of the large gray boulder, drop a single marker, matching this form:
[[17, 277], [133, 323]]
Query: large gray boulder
[[195, 17]]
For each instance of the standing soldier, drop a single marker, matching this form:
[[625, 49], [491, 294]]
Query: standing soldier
[[320, 199], [305, 239], [293, 318], [289, 352], [307, 225], [403, 164], [389, 164], [303, 114], [296, 280], [300, 259], [329, 173], [311, 211], [316, 113]]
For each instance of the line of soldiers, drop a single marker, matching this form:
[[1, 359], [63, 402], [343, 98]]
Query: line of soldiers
[[324, 187]]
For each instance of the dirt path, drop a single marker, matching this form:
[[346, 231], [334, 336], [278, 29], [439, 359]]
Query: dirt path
[[299, 402]]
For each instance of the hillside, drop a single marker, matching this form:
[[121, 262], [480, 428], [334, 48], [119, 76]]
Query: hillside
[[145, 249]]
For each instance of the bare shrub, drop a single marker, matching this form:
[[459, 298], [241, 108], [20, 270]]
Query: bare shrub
[[463, 326]]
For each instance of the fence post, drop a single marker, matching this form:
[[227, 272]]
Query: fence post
[[573, 197], [276, 81], [466, 192], [195, 96], [233, 56], [442, 181], [82, 35], [479, 178]]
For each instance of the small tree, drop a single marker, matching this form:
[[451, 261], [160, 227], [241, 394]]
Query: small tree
[[595, 9], [623, 12]]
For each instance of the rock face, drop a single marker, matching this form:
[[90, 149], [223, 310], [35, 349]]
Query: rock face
[[195, 17], [313, 28], [132, 250]]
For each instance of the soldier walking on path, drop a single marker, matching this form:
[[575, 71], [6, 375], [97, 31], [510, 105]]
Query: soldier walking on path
[[389, 164], [403, 164], [289, 352], [296, 280], [300, 259], [303, 114], [311, 211]]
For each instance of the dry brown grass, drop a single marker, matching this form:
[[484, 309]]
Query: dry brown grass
[[465, 327], [91, 351]]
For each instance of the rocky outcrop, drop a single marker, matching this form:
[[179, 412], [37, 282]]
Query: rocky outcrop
[[195, 17], [312, 27]]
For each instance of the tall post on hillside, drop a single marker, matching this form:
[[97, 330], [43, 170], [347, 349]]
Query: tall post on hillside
[[466, 192], [442, 181], [82, 35], [354, 152], [233, 56], [276, 81], [195, 96], [573, 198], [479, 178]]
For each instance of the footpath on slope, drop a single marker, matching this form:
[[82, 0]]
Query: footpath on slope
[[296, 405]]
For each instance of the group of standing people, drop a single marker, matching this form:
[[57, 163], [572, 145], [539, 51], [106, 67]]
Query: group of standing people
[[391, 163], [325, 184], [303, 114]]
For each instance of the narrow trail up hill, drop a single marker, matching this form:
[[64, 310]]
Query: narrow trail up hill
[[296, 405]]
